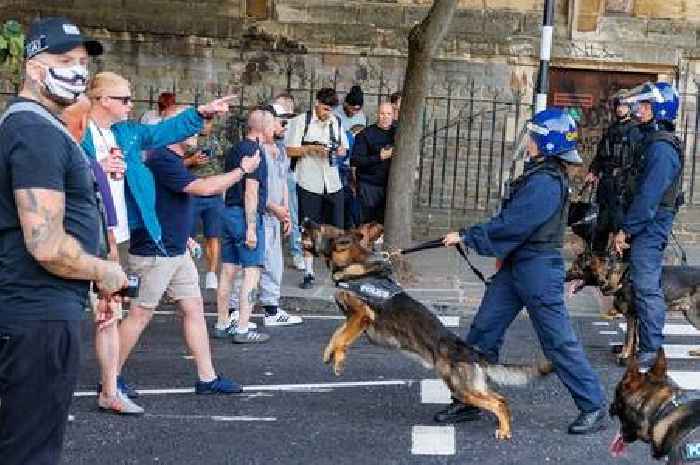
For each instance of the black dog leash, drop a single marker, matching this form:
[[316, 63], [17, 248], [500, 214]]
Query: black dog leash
[[436, 244]]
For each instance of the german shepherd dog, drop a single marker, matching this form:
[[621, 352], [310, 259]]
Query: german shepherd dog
[[652, 410], [377, 306], [680, 285]]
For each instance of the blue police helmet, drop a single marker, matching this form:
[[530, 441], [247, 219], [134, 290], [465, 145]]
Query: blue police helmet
[[662, 96], [554, 132]]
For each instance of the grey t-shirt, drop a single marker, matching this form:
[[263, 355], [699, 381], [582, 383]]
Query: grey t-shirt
[[277, 168]]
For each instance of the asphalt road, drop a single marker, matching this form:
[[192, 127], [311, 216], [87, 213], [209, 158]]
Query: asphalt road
[[293, 411]]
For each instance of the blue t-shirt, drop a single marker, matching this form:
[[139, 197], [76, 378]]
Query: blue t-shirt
[[235, 195], [36, 155], [173, 206]]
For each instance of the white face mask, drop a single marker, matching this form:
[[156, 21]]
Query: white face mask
[[65, 85]]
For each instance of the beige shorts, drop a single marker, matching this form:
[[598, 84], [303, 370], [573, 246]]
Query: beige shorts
[[177, 276]]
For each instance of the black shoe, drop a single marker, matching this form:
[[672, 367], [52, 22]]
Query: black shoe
[[457, 412], [308, 282], [590, 422]]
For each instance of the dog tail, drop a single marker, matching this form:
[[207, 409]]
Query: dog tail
[[517, 375]]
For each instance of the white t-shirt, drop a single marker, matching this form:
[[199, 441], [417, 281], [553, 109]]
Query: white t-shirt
[[103, 139]]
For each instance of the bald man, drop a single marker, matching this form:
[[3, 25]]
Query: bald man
[[243, 238], [371, 157], [176, 273]]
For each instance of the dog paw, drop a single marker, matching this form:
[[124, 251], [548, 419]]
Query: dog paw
[[327, 355], [502, 435], [339, 365]]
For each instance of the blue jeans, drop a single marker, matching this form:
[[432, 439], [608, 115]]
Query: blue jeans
[[209, 210], [295, 237], [538, 284], [646, 260]]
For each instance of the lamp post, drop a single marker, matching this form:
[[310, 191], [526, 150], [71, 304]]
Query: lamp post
[[545, 55]]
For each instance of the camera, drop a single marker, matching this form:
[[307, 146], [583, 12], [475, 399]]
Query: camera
[[132, 288], [207, 151], [333, 152]]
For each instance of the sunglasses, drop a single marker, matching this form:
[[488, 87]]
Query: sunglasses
[[124, 100]]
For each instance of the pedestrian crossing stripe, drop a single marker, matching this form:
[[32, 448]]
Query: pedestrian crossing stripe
[[688, 380], [681, 351], [433, 440]]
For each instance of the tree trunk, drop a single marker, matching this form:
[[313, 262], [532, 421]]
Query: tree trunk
[[423, 41]]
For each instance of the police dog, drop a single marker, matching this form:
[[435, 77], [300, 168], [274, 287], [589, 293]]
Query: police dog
[[652, 410], [680, 285], [378, 307]]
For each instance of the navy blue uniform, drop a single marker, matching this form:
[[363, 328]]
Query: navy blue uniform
[[532, 275], [649, 224]]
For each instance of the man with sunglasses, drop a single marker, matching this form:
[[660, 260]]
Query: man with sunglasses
[[50, 225], [118, 144]]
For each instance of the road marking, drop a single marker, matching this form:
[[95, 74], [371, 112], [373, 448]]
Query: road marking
[[689, 380], [275, 387], [433, 440], [434, 391], [674, 330], [209, 417], [601, 323], [680, 351], [608, 333], [449, 321]]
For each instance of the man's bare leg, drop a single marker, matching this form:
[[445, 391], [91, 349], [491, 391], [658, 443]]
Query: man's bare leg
[[223, 293], [196, 337], [212, 249], [130, 331], [107, 351], [251, 277]]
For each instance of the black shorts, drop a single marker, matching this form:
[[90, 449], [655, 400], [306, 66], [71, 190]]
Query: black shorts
[[321, 208], [39, 364]]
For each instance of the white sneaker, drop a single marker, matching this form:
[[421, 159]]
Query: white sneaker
[[299, 263], [282, 318], [235, 316], [211, 281]]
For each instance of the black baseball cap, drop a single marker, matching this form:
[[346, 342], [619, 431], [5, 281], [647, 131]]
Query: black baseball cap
[[57, 35]]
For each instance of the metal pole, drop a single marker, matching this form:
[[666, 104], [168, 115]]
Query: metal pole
[[545, 54]]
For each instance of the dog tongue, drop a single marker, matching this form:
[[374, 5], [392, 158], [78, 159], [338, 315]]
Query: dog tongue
[[617, 446], [573, 287]]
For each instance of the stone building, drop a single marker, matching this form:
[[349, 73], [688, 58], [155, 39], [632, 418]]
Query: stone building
[[487, 65]]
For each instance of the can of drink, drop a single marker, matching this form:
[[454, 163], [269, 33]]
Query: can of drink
[[113, 175]]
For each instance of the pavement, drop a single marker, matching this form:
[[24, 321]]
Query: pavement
[[295, 411]]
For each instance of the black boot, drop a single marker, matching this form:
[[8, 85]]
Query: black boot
[[457, 412], [308, 282], [590, 422]]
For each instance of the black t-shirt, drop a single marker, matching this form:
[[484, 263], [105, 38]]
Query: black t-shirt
[[370, 168], [36, 155], [173, 206], [235, 194]]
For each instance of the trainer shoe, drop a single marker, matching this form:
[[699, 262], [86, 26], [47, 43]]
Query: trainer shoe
[[126, 388], [457, 412], [217, 386], [591, 422], [299, 263], [251, 337], [282, 318], [308, 282], [211, 282], [235, 315], [119, 404]]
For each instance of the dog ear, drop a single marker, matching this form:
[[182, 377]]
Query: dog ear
[[632, 371], [658, 371]]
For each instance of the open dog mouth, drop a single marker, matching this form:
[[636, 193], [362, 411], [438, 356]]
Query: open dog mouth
[[617, 446]]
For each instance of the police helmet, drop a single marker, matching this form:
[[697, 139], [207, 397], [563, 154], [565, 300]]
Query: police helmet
[[554, 132], [662, 96]]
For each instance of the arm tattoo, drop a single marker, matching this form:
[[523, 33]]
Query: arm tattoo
[[251, 202], [41, 213], [252, 296]]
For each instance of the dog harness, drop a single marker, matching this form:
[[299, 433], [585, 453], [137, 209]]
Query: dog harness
[[372, 290], [687, 449]]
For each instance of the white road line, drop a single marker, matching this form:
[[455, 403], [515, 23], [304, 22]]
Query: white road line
[[689, 380], [680, 351], [615, 343], [433, 440], [434, 391], [608, 333], [450, 321], [674, 330], [601, 323], [209, 417], [275, 387]]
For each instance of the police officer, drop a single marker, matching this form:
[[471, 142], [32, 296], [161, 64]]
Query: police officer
[[527, 236], [653, 200], [609, 168]]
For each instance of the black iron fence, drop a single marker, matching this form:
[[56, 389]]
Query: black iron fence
[[467, 136]]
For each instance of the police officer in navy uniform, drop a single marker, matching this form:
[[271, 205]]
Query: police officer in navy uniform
[[527, 236], [653, 200], [609, 170]]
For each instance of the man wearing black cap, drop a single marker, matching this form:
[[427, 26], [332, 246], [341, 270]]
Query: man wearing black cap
[[50, 231]]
